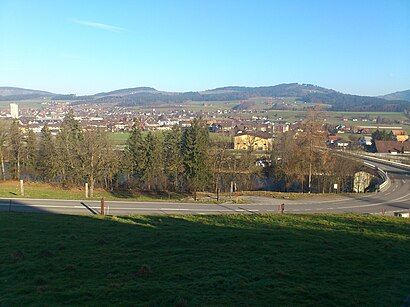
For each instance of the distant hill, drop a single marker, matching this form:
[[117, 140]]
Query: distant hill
[[16, 93], [301, 92], [128, 91], [402, 95]]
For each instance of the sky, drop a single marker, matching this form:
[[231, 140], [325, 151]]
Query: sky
[[85, 47]]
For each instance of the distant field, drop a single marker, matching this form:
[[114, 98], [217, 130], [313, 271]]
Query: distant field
[[23, 104], [235, 260]]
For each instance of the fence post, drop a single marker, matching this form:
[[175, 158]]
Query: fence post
[[21, 187], [102, 212]]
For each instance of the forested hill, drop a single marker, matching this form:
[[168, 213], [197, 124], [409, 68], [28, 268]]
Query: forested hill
[[16, 93], [402, 95], [302, 92], [346, 102]]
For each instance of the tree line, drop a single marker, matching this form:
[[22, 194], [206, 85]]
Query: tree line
[[180, 160]]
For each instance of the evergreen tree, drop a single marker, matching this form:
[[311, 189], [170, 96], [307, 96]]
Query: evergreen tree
[[69, 141], [47, 155], [173, 165], [134, 153], [153, 162], [195, 143]]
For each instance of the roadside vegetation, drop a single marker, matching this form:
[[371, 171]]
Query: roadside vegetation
[[180, 161], [252, 260]]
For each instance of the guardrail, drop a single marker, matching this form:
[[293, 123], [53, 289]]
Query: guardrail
[[383, 175], [386, 182]]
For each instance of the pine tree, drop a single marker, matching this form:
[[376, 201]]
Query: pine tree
[[173, 165], [47, 155], [195, 143], [69, 141], [134, 153], [153, 162]]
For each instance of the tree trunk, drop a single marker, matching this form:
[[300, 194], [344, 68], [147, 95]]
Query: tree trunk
[[18, 167], [3, 171]]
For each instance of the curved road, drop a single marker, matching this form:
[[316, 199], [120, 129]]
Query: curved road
[[395, 198]]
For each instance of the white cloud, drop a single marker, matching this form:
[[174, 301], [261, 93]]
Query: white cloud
[[97, 25]]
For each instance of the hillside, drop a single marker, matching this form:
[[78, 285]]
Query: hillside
[[337, 101], [402, 95], [16, 93], [233, 260], [301, 92]]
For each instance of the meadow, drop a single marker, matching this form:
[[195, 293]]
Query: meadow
[[226, 260]]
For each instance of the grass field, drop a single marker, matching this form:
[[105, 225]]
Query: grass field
[[11, 189], [235, 260]]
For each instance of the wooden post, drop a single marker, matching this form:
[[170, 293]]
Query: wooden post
[[86, 190], [102, 212], [21, 187]]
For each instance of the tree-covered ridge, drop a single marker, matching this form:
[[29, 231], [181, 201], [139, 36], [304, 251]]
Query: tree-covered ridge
[[301, 92], [402, 95]]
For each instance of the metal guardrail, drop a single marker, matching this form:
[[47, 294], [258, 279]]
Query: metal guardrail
[[383, 175]]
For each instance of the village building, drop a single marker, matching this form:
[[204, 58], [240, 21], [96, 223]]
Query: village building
[[393, 147], [399, 135], [254, 140]]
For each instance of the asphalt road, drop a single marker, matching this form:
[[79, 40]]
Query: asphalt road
[[395, 198]]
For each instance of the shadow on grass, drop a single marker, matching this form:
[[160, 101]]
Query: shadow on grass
[[253, 260]]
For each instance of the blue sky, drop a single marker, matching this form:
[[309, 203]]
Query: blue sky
[[83, 47]]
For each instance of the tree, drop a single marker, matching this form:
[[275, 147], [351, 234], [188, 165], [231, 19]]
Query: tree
[[15, 139], [382, 135], [195, 143], [47, 155], [153, 161], [3, 140], [134, 153], [173, 157], [96, 154], [30, 156], [68, 143]]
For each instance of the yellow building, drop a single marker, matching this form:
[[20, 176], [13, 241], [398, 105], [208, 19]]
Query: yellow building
[[252, 140], [400, 135]]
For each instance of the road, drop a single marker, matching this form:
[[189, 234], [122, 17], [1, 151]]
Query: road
[[395, 198]]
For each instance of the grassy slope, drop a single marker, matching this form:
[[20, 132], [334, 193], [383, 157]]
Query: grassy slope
[[254, 260], [11, 189]]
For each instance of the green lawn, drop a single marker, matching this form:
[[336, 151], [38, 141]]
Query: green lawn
[[233, 260], [11, 189]]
